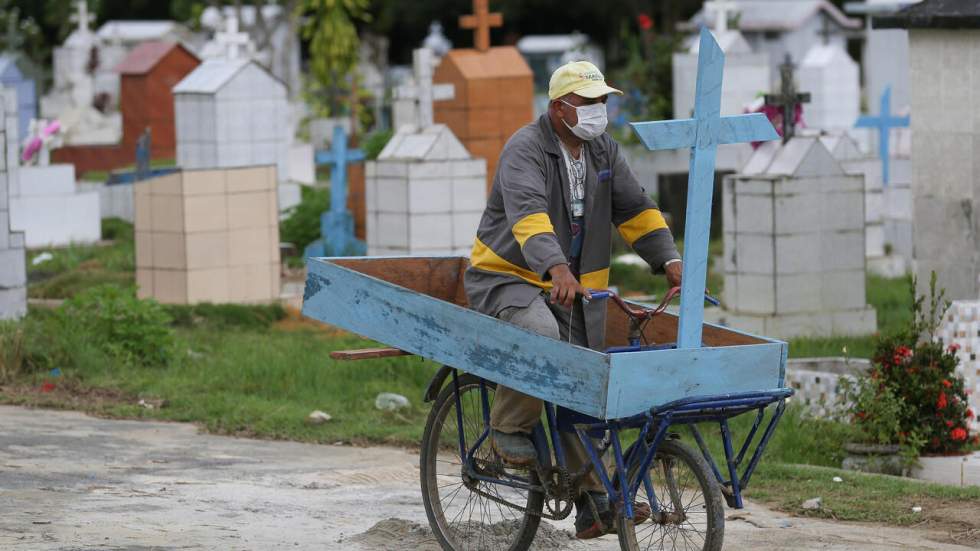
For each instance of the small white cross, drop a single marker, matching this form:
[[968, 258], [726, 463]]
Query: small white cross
[[423, 91], [82, 16], [232, 40], [721, 9]]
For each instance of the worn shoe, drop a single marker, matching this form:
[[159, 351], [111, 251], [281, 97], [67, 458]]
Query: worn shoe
[[588, 527], [515, 449]]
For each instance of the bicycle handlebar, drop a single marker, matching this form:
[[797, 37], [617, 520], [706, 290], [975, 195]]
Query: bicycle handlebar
[[643, 313]]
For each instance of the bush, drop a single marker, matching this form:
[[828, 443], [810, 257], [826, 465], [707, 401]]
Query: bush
[[922, 373], [130, 329], [116, 229], [375, 142], [302, 223]]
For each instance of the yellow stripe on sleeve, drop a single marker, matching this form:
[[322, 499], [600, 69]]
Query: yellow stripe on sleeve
[[482, 257], [532, 225], [641, 224]]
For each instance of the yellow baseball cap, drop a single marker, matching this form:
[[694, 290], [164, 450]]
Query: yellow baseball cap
[[580, 77]]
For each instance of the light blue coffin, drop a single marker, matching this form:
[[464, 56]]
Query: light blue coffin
[[417, 304]]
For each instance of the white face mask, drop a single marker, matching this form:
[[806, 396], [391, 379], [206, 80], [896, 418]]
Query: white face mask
[[591, 120]]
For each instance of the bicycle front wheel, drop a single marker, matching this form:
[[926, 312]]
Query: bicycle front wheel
[[465, 513], [692, 516]]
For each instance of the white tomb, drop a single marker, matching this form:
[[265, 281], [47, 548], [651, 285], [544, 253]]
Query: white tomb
[[794, 244], [831, 78], [233, 113], [961, 326], [425, 193], [44, 202], [13, 272]]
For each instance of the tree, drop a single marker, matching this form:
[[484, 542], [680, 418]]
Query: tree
[[334, 47]]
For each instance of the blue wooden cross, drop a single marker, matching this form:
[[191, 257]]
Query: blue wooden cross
[[337, 224], [884, 122], [703, 134]]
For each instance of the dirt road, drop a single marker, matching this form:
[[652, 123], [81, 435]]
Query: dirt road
[[73, 482]]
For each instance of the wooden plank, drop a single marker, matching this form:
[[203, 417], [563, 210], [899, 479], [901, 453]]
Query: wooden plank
[[438, 277], [663, 329], [567, 375], [639, 380], [367, 353]]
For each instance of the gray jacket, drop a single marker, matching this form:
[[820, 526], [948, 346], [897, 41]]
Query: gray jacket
[[526, 227]]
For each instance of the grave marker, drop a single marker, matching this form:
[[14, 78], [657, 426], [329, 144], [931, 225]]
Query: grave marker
[[480, 22], [883, 123], [13, 272], [337, 224], [703, 134], [788, 99]]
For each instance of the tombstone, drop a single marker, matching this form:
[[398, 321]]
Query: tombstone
[[337, 223], [13, 272], [229, 42], [945, 177], [961, 326], [208, 236], [425, 193], [831, 77], [794, 244], [779, 29], [12, 77], [437, 41], [233, 113], [494, 90], [147, 75], [785, 107]]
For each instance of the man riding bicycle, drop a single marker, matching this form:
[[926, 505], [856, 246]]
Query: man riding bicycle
[[561, 184]]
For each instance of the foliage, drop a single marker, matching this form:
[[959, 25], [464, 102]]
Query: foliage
[[116, 229], [11, 350], [302, 223], [334, 47], [135, 331], [875, 410], [375, 142], [226, 316], [78, 267], [922, 372]]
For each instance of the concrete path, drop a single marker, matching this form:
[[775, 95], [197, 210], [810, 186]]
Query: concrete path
[[73, 482]]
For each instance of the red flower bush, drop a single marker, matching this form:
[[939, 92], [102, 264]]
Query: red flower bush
[[933, 395]]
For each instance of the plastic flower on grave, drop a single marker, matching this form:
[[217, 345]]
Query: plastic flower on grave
[[958, 434], [644, 21]]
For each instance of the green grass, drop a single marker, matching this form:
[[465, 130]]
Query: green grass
[[103, 175], [79, 267]]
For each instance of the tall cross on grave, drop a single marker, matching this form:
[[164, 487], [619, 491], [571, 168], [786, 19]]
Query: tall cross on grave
[[423, 92], [788, 98], [231, 39], [703, 134], [337, 224], [884, 122], [82, 17], [721, 9], [481, 21]]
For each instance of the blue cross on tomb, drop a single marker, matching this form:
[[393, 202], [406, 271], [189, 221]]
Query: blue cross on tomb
[[884, 122], [337, 224], [703, 134]]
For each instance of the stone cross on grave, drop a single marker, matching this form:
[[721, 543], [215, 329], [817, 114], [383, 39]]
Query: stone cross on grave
[[788, 98], [826, 31], [231, 39], [82, 17], [422, 93], [481, 21], [703, 134], [337, 224], [721, 9], [884, 122]]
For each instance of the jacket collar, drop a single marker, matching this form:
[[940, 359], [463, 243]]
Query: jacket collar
[[596, 147]]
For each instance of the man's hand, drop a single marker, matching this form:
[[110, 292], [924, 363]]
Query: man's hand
[[565, 286], [673, 271]]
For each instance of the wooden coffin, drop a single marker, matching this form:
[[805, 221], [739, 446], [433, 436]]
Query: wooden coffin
[[417, 304]]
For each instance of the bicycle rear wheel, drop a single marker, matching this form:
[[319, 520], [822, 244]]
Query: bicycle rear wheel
[[692, 516], [464, 513]]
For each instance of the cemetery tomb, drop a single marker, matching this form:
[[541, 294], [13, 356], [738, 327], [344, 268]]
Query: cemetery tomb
[[945, 176], [831, 77], [11, 76], [961, 326], [208, 236], [425, 195], [44, 203], [794, 244], [233, 113], [147, 75], [494, 91], [13, 272]]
